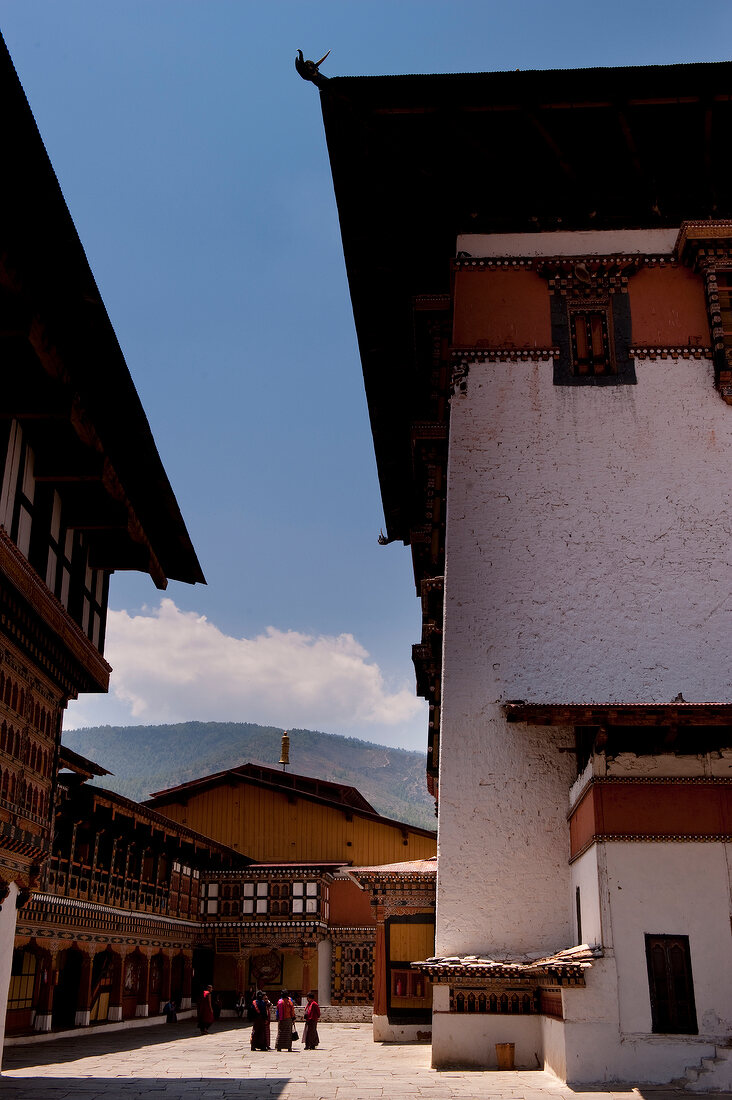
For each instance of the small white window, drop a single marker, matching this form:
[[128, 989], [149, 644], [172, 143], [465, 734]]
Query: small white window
[[213, 889], [248, 889], [262, 889], [213, 906], [24, 531], [65, 581], [297, 889], [311, 905], [56, 517], [312, 889], [261, 905], [29, 482], [51, 571], [248, 906], [195, 874], [297, 905]]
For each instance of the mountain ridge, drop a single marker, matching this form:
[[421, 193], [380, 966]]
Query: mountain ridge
[[146, 759]]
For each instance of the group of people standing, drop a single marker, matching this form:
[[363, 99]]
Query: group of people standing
[[285, 1015], [258, 1009]]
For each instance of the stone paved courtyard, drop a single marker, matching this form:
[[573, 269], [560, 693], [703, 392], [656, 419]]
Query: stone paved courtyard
[[176, 1063]]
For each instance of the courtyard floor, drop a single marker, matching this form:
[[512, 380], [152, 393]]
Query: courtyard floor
[[174, 1062]]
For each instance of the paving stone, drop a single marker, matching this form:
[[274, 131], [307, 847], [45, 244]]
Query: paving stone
[[174, 1063]]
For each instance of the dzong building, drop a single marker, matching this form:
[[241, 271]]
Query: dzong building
[[540, 265]]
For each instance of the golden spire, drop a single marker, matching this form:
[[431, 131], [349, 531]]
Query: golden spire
[[285, 754]]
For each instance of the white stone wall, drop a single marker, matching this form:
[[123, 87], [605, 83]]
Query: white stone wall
[[588, 540], [589, 537], [8, 915], [585, 874], [503, 844], [672, 889], [469, 1039]]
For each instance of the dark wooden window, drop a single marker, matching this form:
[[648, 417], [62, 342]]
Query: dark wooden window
[[724, 289], [591, 343], [592, 336], [578, 906], [671, 987]]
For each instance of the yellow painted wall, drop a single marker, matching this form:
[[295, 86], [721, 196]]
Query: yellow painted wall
[[266, 825], [411, 942]]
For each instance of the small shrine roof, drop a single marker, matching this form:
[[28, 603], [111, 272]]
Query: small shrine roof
[[407, 867], [568, 964]]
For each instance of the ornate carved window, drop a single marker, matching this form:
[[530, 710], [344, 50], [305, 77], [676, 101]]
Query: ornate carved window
[[590, 318]]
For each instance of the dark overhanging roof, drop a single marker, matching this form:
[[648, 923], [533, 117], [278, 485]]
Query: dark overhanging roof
[[75, 762], [42, 254], [417, 160]]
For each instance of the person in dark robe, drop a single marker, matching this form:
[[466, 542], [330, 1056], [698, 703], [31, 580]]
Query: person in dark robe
[[171, 1015], [260, 1020], [285, 1021], [312, 1014], [205, 1010]]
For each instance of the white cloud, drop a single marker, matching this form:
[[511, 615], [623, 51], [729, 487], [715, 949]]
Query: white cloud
[[172, 666]]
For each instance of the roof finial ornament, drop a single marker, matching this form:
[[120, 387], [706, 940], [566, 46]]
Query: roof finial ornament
[[285, 754], [309, 70]]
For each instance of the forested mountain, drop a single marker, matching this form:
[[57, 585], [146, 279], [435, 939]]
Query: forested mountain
[[144, 759]]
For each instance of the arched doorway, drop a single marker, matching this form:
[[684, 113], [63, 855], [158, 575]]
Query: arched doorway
[[25, 977], [66, 993], [157, 969], [134, 976], [177, 973], [103, 970]]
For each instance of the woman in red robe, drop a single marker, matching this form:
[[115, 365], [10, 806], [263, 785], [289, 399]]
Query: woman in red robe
[[312, 1015]]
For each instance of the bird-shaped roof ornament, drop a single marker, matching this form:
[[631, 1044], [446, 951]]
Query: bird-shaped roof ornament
[[310, 70]]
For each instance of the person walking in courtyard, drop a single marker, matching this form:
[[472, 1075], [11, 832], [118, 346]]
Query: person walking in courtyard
[[312, 1014], [285, 1021], [260, 1021], [205, 1010]]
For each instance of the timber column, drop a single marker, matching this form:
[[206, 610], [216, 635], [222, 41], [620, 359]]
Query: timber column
[[325, 957], [242, 961]]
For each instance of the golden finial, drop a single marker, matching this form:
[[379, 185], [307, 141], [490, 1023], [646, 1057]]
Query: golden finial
[[285, 754]]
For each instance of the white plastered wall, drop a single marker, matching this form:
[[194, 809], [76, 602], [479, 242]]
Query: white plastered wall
[[667, 888], [588, 535], [469, 1040], [8, 916]]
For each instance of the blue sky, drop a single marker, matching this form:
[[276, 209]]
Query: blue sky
[[193, 160]]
